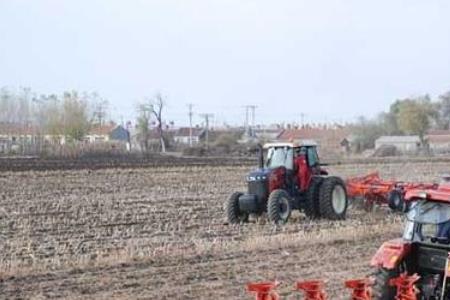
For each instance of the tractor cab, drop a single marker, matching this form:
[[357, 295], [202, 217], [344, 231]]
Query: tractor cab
[[284, 154], [428, 222], [289, 176], [424, 248]]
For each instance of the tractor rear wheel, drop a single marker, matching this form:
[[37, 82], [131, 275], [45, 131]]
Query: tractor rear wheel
[[395, 201], [232, 211], [312, 209], [381, 289], [333, 198], [279, 207]]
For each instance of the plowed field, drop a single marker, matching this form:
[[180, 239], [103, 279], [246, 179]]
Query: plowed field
[[159, 233]]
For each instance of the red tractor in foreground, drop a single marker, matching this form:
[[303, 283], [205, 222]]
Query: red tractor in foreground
[[289, 177], [423, 250]]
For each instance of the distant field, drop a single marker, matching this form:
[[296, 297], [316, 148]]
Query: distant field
[[159, 233]]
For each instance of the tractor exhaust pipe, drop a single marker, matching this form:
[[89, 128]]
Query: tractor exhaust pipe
[[260, 156]]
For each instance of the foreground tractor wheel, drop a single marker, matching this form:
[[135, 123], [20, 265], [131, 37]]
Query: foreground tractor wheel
[[279, 207], [312, 209], [233, 214], [381, 289], [333, 199], [395, 201]]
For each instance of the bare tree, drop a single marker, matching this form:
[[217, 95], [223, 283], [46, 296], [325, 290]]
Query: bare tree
[[157, 106]]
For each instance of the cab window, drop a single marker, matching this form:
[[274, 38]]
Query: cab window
[[313, 158], [280, 157]]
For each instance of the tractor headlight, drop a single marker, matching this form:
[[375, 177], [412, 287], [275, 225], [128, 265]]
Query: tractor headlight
[[251, 178], [256, 178]]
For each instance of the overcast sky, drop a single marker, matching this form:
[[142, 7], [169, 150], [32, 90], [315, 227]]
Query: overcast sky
[[331, 60]]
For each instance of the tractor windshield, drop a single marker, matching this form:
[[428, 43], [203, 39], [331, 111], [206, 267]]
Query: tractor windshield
[[428, 212], [280, 157], [428, 222]]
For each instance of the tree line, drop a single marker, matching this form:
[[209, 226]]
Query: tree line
[[70, 114], [409, 116]]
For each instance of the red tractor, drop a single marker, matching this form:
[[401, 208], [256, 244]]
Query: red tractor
[[289, 177], [423, 250]]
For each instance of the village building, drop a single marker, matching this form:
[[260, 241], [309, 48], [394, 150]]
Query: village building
[[402, 143], [438, 141], [106, 133], [329, 140], [260, 134], [183, 134]]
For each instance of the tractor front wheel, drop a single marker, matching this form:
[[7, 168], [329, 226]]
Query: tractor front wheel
[[279, 207], [232, 211], [333, 199]]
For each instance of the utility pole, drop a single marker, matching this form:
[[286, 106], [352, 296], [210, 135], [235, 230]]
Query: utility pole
[[248, 127], [253, 108], [190, 105], [207, 116], [100, 111], [246, 119]]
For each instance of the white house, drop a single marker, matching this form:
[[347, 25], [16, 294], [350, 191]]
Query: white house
[[439, 141], [182, 135], [403, 143], [108, 132]]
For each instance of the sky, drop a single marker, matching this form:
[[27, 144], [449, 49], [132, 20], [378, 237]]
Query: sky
[[329, 60]]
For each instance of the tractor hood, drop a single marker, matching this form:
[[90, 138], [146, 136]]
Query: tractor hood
[[259, 175]]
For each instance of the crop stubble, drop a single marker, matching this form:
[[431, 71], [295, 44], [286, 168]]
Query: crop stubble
[[159, 233]]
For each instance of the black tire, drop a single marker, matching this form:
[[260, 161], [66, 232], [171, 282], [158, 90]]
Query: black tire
[[233, 214], [395, 201], [381, 289], [279, 207], [312, 209], [333, 200]]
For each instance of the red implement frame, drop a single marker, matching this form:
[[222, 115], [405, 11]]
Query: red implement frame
[[361, 288], [263, 290], [375, 190], [313, 289], [406, 289]]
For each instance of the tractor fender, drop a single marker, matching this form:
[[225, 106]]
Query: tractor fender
[[391, 254]]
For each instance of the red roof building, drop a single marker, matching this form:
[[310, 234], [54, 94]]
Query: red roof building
[[329, 140]]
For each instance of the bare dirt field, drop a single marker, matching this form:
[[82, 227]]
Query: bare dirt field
[[159, 233]]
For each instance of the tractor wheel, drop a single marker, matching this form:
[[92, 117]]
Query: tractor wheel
[[381, 289], [312, 209], [333, 199], [395, 201], [279, 207], [233, 214]]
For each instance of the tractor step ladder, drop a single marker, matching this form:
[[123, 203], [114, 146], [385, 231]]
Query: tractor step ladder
[[406, 290], [361, 289], [313, 289], [264, 290]]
